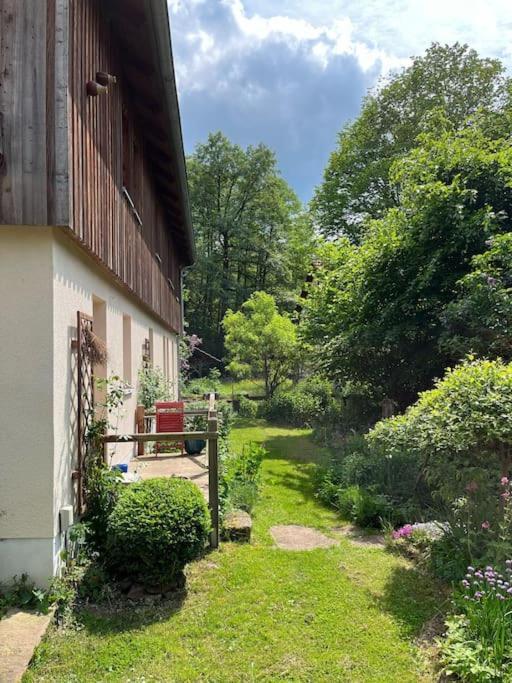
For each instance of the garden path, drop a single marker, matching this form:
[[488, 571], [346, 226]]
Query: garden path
[[165, 465]]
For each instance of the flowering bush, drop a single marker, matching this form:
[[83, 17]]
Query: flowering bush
[[478, 643], [460, 432]]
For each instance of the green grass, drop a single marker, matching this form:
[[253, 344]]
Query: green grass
[[253, 387], [256, 613]]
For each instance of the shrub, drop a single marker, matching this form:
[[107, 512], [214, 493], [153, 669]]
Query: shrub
[[362, 507], [240, 477], [247, 408], [477, 643], [152, 386], [309, 403], [460, 431], [155, 528], [397, 479], [103, 486], [204, 385]]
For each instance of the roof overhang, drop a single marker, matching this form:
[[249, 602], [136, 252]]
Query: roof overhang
[[143, 32]]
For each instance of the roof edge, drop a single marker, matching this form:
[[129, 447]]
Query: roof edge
[[161, 30]]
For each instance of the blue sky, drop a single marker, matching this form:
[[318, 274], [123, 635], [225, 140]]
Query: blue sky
[[290, 73]]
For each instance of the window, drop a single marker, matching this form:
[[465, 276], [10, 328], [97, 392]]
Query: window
[[127, 349]]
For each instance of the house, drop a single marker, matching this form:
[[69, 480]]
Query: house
[[95, 232]]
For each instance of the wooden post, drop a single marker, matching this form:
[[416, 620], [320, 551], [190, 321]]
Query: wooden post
[[213, 472], [139, 421]]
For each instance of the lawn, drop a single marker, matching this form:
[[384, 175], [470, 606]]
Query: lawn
[[256, 613]]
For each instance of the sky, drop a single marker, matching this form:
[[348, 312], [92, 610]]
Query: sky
[[291, 73]]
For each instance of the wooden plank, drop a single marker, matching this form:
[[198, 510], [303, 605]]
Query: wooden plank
[[50, 110], [62, 120], [23, 179], [160, 436], [213, 474]]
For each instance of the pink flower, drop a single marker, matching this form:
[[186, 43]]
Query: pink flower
[[486, 525], [504, 481]]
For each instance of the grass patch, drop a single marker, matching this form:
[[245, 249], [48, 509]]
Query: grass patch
[[256, 613]]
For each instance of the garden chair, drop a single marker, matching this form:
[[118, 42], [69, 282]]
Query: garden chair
[[170, 417]]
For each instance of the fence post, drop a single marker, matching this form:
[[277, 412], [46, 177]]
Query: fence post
[[139, 421], [213, 472]]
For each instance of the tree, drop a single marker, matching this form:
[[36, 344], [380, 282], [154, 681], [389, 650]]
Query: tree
[[479, 320], [376, 311], [260, 342], [251, 234], [356, 185]]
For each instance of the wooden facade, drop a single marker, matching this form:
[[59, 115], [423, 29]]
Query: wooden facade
[[91, 164]]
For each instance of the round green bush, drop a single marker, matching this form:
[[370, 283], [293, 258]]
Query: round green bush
[[155, 528]]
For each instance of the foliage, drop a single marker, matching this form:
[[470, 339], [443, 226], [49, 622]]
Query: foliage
[[251, 234], [152, 386], [460, 431], [103, 486], [23, 594], [363, 507], [397, 482], [101, 483], [479, 320], [247, 408], [240, 477], [477, 647], [204, 385], [155, 528], [377, 313], [308, 403], [453, 80], [260, 341]]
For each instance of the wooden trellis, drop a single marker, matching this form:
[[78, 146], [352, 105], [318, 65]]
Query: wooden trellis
[[85, 400]]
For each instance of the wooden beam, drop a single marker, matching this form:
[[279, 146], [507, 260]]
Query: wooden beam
[[213, 471], [158, 436]]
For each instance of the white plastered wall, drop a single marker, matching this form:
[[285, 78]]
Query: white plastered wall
[[38, 385], [26, 403]]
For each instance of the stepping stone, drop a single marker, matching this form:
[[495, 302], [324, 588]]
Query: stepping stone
[[20, 634], [238, 526], [295, 537]]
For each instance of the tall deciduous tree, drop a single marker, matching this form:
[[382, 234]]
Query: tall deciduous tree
[[356, 186], [379, 309], [251, 234], [261, 342]]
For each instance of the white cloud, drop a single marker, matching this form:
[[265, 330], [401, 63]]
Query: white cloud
[[290, 73]]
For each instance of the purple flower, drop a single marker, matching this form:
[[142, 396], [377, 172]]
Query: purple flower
[[403, 532]]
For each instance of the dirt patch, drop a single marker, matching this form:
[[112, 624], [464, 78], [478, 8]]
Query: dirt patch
[[358, 537], [295, 537]]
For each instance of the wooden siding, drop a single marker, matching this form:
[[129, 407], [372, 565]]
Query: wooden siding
[[33, 85], [61, 152], [143, 256]]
